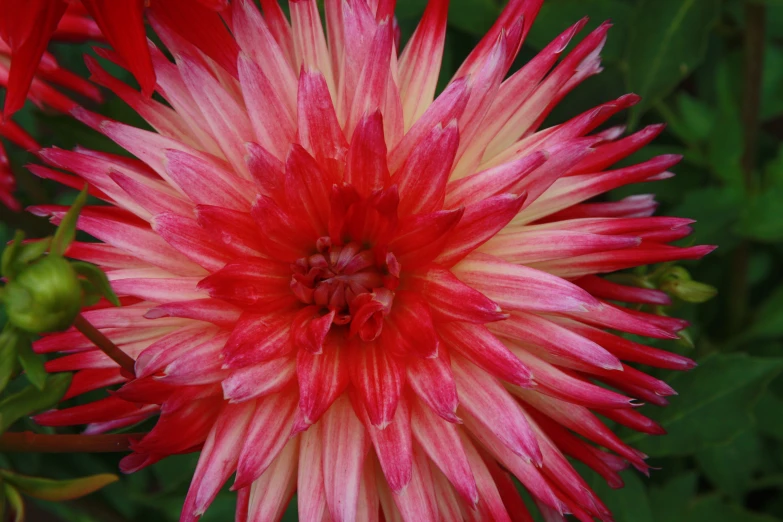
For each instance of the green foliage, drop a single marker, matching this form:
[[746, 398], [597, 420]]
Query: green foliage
[[57, 490], [31, 400], [669, 39]]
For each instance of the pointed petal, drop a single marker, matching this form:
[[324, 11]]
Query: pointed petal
[[433, 382], [122, 23], [422, 180], [366, 169], [272, 492], [496, 411], [393, 446], [452, 300], [420, 62], [518, 287], [479, 346], [311, 498], [378, 377], [218, 458], [479, 224], [322, 378], [265, 438], [421, 238], [27, 29], [441, 441], [344, 448]]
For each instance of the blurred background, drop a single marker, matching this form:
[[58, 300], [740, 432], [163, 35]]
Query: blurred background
[[712, 71]]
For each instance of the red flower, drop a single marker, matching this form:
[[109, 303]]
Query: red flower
[[338, 284]]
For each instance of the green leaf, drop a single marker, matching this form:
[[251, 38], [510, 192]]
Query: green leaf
[[32, 363], [670, 501], [714, 404], [698, 119], [762, 219], [715, 509], [669, 39], [473, 16], [716, 210], [769, 318], [15, 502], [769, 420], [730, 467], [557, 15], [97, 279], [66, 232], [629, 504], [31, 400], [58, 490], [8, 360], [771, 100], [725, 144]]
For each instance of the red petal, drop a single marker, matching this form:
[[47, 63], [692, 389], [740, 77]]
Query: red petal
[[482, 348], [344, 449], [266, 436], [378, 377], [26, 28], [422, 180], [420, 238], [452, 300], [366, 169], [122, 23], [322, 378]]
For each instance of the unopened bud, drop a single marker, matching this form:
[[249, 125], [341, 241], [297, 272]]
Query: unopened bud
[[45, 297], [677, 281]]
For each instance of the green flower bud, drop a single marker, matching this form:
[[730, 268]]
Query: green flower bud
[[45, 297], [676, 281]]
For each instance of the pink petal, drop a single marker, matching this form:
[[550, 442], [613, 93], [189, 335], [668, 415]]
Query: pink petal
[[495, 410], [441, 441], [266, 436], [344, 448], [479, 346], [322, 378], [378, 378], [218, 458], [452, 300]]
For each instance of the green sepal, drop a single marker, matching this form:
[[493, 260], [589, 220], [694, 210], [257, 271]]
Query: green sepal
[[19, 255], [58, 490], [15, 502], [684, 338], [30, 399], [98, 280], [677, 281], [32, 363], [66, 232], [8, 351], [10, 254]]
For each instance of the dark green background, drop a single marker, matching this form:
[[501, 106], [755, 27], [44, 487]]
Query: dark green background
[[722, 460]]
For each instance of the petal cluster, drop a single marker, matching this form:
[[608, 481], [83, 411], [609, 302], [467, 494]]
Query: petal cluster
[[337, 284]]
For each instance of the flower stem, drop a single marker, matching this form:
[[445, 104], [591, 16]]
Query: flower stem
[[29, 442], [755, 15], [125, 361]]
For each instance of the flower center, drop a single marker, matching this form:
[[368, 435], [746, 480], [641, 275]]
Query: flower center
[[354, 283]]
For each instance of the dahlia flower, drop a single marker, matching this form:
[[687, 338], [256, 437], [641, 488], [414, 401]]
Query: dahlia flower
[[338, 284]]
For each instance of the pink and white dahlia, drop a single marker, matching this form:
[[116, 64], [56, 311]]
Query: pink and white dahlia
[[339, 285]]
